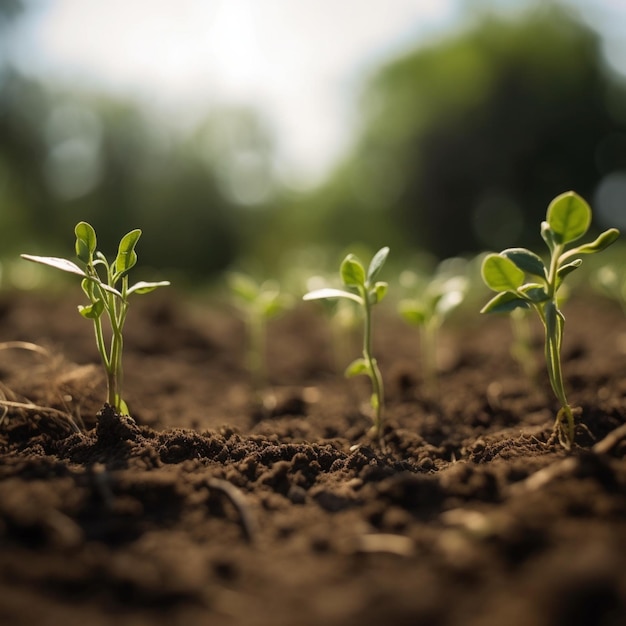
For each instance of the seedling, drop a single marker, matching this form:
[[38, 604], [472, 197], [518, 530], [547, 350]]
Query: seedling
[[106, 286], [610, 280], [258, 303], [568, 218], [437, 297], [368, 293]]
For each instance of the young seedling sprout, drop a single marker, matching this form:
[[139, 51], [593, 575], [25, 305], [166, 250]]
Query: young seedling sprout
[[436, 297], [369, 292], [568, 218], [106, 286], [610, 280], [257, 303]]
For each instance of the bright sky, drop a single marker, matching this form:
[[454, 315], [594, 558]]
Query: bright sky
[[297, 60]]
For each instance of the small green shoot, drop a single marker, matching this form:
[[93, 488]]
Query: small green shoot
[[258, 303], [610, 280], [106, 286], [437, 296], [568, 218], [369, 292]]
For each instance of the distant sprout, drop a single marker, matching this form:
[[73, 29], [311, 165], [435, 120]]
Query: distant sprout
[[106, 286], [368, 293], [522, 344], [610, 281], [344, 321], [437, 296], [568, 218], [258, 303]]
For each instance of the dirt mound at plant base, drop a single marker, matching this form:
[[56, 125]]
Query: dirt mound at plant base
[[206, 511]]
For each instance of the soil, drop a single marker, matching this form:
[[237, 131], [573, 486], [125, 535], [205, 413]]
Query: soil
[[219, 506]]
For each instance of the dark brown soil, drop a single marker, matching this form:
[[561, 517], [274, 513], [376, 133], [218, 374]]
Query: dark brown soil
[[209, 511]]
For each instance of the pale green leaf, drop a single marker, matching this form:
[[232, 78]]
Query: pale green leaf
[[501, 274], [602, 242], [569, 217], [243, 286], [92, 311], [352, 272], [328, 292], [144, 287], [57, 263], [378, 292], [126, 255], [357, 368], [505, 302], [86, 241], [413, 312], [376, 264]]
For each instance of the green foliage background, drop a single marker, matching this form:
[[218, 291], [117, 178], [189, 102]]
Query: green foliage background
[[460, 147]]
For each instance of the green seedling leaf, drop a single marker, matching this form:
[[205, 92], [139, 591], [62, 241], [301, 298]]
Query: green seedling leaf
[[86, 241], [126, 255], [352, 272], [526, 260], [413, 312], [143, 287], [92, 311], [548, 236], [534, 292], [374, 401], [597, 245], [569, 217], [328, 292], [449, 301], [358, 367], [501, 274], [243, 286], [56, 262], [505, 302], [378, 292], [376, 264], [564, 270]]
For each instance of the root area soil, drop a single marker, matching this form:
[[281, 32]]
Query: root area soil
[[216, 505]]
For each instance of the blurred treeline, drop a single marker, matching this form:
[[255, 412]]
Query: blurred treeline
[[460, 147]]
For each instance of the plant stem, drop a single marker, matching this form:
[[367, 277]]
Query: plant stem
[[428, 336], [374, 372], [553, 340], [256, 351]]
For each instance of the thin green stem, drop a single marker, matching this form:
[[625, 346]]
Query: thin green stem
[[374, 372], [256, 351], [564, 426], [428, 334]]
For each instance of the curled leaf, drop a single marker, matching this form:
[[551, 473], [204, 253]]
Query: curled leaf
[[126, 255]]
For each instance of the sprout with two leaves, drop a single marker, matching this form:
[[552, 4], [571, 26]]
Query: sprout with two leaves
[[258, 303], [107, 288], [568, 218], [436, 297], [369, 292]]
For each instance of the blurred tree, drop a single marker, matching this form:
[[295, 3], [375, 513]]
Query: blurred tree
[[463, 144], [70, 156]]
